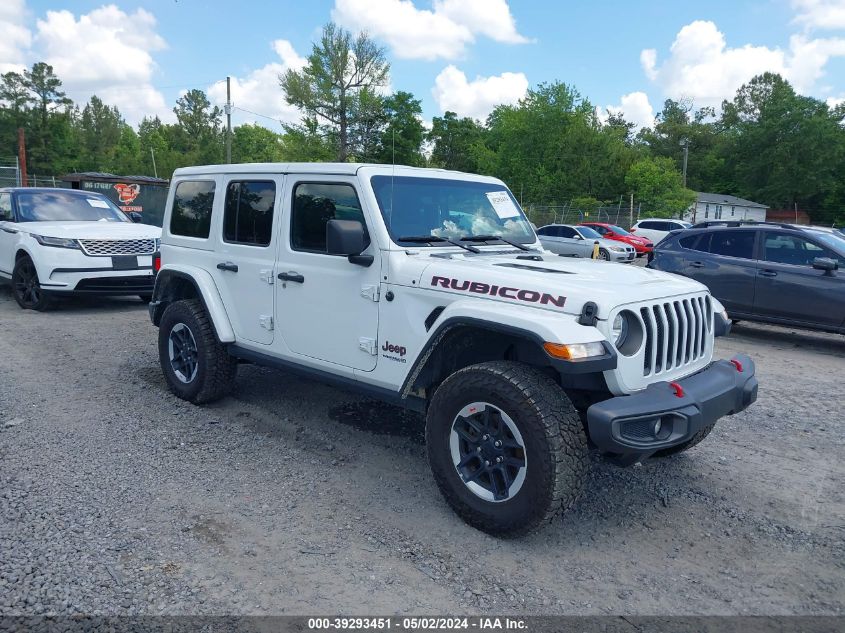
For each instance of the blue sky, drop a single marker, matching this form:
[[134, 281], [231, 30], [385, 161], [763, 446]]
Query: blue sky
[[465, 55]]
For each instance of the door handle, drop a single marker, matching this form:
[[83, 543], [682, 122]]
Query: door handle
[[768, 273], [696, 265], [228, 266], [292, 276]]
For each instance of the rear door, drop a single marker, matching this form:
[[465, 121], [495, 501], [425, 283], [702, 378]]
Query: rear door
[[788, 287], [8, 235], [723, 260], [246, 253]]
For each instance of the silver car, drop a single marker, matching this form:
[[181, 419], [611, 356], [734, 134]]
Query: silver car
[[578, 241]]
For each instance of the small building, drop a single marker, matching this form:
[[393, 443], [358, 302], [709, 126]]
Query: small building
[[719, 206], [140, 194]]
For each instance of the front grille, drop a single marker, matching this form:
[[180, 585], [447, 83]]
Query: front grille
[[117, 285], [105, 248], [676, 333]]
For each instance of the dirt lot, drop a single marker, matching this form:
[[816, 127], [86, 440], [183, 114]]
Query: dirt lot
[[291, 497]]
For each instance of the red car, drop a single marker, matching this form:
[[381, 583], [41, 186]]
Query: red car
[[612, 232]]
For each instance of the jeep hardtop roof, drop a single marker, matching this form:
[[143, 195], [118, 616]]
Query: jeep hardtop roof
[[339, 169]]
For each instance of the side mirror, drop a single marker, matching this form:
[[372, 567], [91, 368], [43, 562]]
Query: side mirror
[[135, 216], [346, 237], [826, 264]]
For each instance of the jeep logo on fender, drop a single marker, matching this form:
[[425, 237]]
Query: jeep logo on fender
[[396, 349], [478, 287]]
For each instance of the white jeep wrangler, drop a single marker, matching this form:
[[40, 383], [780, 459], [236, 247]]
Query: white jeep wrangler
[[429, 289]]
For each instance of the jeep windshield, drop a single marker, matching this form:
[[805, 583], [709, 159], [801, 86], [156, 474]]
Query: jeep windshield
[[60, 206], [449, 210]]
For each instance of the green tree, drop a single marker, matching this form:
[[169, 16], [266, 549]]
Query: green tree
[[252, 143], [48, 124], [784, 149], [658, 186], [403, 135], [305, 143], [100, 127], [455, 142], [329, 88]]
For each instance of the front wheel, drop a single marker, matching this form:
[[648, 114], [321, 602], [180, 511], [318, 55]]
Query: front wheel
[[195, 364], [604, 255], [506, 447], [26, 286]]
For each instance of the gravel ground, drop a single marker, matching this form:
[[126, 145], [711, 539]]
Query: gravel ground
[[291, 497]]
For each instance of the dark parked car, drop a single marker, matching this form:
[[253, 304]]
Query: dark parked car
[[777, 273]]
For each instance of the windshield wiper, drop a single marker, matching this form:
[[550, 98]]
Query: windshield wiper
[[426, 239], [488, 238]]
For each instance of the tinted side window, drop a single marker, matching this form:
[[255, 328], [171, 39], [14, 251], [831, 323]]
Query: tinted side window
[[599, 229], [782, 248], [248, 214], [732, 243], [546, 230], [5, 206], [314, 204], [192, 205], [565, 231], [648, 224], [690, 242]]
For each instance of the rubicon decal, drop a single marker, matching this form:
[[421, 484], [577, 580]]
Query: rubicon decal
[[506, 292]]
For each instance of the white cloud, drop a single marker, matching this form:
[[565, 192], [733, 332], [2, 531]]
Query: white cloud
[[832, 102], [443, 32], [106, 52], [259, 90], [634, 107], [15, 37], [478, 97], [820, 14], [703, 67]]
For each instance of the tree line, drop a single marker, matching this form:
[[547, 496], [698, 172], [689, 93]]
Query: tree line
[[768, 143]]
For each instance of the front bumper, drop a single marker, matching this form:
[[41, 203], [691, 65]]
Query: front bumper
[[625, 425], [623, 256]]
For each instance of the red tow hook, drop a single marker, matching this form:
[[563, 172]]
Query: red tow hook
[[736, 364], [679, 391]]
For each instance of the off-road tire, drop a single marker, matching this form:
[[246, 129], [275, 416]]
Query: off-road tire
[[680, 448], [216, 369], [29, 297], [554, 438]]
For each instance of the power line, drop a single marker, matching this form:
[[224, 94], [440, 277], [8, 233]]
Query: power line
[[265, 116]]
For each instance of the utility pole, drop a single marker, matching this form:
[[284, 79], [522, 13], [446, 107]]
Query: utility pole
[[685, 144], [22, 157], [631, 212], [228, 110], [153, 155]]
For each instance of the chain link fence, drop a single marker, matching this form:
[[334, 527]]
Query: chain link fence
[[540, 215]]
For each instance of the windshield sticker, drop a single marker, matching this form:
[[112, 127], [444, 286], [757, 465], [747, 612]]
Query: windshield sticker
[[502, 204], [100, 204]]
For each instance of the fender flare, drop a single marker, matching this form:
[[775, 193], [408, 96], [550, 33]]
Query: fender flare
[[207, 292], [463, 314]]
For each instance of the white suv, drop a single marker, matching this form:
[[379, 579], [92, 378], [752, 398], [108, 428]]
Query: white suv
[[429, 289], [59, 242], [656, 230]]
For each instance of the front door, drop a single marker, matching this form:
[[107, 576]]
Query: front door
[[247, 250], [327, 307], [788, 287]]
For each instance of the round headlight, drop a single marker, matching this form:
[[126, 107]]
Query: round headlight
[[619, 330]]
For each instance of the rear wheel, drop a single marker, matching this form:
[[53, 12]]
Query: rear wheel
[[506, 447], [195, 364], [26, 286]]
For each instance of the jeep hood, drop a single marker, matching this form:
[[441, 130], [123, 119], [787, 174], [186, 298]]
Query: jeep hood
[[91, 230], [548, 279]]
